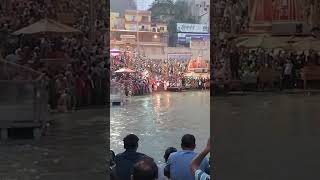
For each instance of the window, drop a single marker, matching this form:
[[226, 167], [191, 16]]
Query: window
[[132, 18], [144, 19], [154, 29], [161, 29]]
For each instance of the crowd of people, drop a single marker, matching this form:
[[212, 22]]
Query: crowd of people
[[230, 16], [75, 70], [179, 164], [152, 75], [263, 67], [20, 13]]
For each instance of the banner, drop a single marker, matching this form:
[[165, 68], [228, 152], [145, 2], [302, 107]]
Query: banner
[[192, 28], [179, 56], [184, 38]]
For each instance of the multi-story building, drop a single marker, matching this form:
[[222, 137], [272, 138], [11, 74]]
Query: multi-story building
[[134, 19], [116, 21], [200, 9], [139, 33]]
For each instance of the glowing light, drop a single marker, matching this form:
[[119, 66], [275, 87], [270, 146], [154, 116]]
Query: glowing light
[[158, 84]]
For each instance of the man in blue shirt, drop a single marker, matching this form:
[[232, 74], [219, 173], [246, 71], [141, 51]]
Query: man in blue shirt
[[178, 165]]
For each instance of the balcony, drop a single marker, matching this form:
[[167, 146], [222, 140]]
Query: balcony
[[144, 29]]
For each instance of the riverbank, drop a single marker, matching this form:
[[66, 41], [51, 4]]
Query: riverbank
[[291, 91]]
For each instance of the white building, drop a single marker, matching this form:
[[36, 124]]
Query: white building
[[200, 9]]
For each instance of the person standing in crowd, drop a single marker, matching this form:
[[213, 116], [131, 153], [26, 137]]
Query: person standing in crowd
[[288, 74], [145, 169], [195, 164], [234, 58], [169, 151], [126, 160], [178, 165]]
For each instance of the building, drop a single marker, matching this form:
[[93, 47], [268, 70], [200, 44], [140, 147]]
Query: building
[[278, 17], [113, 19], [134, 18], [139, 33], [200, 9]]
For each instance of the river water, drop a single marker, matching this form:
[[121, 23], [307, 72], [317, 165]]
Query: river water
[[160, 120], [266, 136], [259, 135]]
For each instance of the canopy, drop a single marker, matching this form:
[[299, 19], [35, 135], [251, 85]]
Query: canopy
[[46, 26], [305, 43], [263, 41], [125, 70], [115, 50]]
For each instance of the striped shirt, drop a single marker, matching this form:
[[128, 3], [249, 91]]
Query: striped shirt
[[200, 175]]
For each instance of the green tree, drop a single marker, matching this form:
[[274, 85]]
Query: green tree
[[166, 11]]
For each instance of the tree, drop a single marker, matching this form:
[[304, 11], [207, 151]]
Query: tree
[[166, 11]]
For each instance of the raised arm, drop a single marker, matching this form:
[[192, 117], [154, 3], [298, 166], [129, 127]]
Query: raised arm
[[195, 164]]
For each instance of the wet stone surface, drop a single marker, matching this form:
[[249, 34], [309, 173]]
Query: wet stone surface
[[72, 149]]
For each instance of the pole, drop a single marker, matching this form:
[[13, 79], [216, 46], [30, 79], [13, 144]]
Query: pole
[[137, 24], [91, 21]]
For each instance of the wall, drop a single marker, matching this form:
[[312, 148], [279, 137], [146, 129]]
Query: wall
[[113, 19]]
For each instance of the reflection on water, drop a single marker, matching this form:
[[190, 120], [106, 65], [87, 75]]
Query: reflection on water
[[274, 136], [267, 114], [160, 120]]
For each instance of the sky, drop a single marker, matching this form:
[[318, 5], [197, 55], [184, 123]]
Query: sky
[[144, 4]]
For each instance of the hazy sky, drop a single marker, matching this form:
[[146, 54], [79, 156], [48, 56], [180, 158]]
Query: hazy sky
[[144, 4]]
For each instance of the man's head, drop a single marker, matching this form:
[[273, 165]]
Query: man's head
[[188, 142], [168, 152], [131, 142], [145, 169]]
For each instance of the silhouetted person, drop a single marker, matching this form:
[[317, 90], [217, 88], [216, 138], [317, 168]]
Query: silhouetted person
[[178, 165], [125, 161], [145, 169], [113, 174]]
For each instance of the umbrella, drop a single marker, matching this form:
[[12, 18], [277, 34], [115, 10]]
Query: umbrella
[[115, 52], [46, 26], [306, 43], [263, 41], [125, 70]]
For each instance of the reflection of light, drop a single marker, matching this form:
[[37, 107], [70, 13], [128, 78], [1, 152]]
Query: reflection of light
[[168, 103], [158, 84], [157, 103]]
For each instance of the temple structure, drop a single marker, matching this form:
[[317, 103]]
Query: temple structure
[[264, 13]]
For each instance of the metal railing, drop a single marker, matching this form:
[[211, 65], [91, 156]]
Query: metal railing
[[23, 95]]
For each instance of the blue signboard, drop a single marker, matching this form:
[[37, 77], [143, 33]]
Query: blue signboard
[[185, 38]]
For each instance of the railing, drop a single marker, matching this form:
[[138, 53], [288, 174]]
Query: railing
[[23, 97]]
